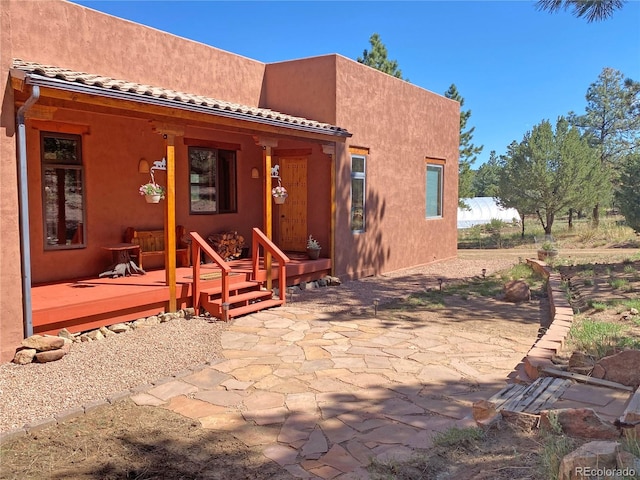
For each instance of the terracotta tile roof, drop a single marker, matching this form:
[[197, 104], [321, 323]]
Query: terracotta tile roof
[[138, 91]]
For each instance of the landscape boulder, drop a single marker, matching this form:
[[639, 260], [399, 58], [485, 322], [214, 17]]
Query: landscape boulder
[[42, 344], [623, 367], [517, 291], [579, 422], [589, 457]]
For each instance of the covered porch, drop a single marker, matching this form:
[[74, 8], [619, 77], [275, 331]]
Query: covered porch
[[84, 304], [88, 144]]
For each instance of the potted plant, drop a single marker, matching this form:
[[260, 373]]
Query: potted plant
[[313, 248], [547, 250], [279, 194], [152, 192]]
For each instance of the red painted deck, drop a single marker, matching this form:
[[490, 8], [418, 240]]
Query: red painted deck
[[80, 305]]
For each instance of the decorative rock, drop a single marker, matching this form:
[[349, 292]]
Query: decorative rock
[[64, 333], [623, 367], [50, 356], [119, 327], [633, 311], [189, 312], [42, 344], [516, 291], [95, 335], [590, 456], [24, 356], [580, 422], [581, 362], [106, 332], [322, 282], [484, 411]]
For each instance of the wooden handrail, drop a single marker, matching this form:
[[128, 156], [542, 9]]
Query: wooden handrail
[[200, 244], [258, 238]]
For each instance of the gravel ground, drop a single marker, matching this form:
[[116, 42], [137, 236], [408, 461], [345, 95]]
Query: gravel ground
[[96, 370]]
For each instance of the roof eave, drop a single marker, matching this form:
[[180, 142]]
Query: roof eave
[[54, 83]]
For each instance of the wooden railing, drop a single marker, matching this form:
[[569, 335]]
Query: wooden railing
[[259, 239], [198, 245]]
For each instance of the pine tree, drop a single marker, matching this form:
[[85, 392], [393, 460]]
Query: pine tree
[[487, 179], [592, 10], [377, 58], [550, 172], [468, 151]]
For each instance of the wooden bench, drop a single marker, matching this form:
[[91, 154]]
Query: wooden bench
[[152, 244]]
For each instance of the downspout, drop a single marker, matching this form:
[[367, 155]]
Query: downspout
[[23, 200]]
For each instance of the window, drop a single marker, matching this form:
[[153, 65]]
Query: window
[[212, 180], [62, 190], [358, 174], [434, 191]]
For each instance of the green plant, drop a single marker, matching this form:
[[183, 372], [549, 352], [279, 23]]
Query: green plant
[[313, 244], [554, 449], [629, 269], [598, 306], [547, 247], [459, 437], [619, 283], [596, 338], [151, 189]]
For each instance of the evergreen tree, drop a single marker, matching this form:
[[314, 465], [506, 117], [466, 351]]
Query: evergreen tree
[[487, 179], [628, 194], [592, 10], [377, 58], [468, 151], [550, 172], [612, 123]]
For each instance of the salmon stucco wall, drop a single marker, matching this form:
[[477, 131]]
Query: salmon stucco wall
[[67, 35], [112, 147], [402, 125]]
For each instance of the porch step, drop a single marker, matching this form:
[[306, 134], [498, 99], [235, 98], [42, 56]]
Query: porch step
[[236, 286], [245, 297], [254, 307]]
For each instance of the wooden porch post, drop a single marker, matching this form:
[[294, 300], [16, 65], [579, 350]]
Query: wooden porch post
[[169, 134], [267, 152], [331, 151]]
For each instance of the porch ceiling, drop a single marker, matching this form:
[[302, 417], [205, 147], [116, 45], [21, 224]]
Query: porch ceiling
[[111, 92]]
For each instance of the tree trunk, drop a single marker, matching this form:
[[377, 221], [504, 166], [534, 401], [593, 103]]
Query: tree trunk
[[522, 219], [595, 220], [570, 218]]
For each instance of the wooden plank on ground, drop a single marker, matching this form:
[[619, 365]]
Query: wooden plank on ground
[[549, 396], [517, 404], [507, 393], [586, 379]]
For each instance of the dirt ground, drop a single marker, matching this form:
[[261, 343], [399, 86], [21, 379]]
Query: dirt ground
[[125, 441]]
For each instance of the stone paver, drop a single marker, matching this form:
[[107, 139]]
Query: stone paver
[[321, 397]]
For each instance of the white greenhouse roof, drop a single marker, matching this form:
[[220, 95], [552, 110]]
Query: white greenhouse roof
[[482, 210]]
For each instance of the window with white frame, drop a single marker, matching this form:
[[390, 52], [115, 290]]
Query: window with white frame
[[434, 191], [358, 184]]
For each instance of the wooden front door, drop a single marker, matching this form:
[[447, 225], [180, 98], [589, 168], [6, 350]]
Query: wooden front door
[[292, 215]]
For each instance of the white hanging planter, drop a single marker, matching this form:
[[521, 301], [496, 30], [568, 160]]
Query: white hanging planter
[[279, 200], [152, 198]]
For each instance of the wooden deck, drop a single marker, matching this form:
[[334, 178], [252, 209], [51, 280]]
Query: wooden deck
[[84, 304]]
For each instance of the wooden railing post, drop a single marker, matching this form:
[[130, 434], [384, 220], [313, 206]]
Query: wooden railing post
[[200, 244], [258, 238]]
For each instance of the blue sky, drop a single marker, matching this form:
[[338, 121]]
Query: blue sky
[[514, 66]]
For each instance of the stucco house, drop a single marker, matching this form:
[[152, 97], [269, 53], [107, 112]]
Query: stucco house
[[91, 102]]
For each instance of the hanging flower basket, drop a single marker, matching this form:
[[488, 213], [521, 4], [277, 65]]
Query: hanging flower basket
[[279, 194], [152, 192]]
